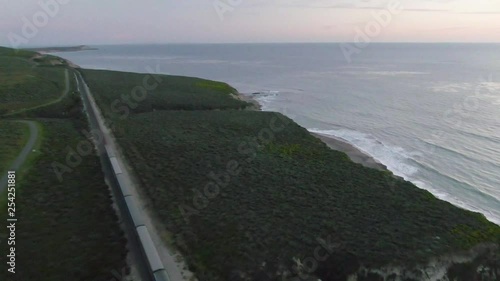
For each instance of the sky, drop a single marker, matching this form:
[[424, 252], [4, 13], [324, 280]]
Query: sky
[[93, 22]]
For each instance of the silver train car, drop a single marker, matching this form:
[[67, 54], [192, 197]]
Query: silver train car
[[156, 267], [155, 264]]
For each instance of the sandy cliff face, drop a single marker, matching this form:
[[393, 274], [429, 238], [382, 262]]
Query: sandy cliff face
[[481, 263]]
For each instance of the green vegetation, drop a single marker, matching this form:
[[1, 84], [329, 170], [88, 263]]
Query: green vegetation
[[67, 229], [14, 137], [68, 106], [27, 80], [8, 52], [113, 90], [468, 236], [242, 188]]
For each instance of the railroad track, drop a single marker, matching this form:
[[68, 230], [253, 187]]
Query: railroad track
[[150, 259]]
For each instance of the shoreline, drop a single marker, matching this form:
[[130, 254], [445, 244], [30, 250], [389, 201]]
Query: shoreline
[[49, 50], [358, 156], [250, 99], [355, 154]]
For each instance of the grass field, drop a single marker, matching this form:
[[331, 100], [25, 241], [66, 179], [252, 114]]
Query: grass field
[[249, 193]]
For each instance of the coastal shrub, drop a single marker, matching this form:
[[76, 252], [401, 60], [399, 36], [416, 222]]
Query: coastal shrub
[[115, 92]]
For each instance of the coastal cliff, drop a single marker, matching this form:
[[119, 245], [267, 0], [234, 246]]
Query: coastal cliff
[[251, 195], [480, 263]]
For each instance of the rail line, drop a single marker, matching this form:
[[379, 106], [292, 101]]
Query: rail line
[[129, 207]]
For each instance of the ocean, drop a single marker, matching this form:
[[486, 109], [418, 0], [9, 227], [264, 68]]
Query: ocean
[[429, 112]]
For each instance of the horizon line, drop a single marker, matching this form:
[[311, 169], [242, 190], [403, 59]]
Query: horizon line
[[247, 43]]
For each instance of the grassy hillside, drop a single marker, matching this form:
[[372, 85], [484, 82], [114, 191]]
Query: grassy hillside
[[249, 193], [27, 81], [16, 53], [67, 229], [116, 90]]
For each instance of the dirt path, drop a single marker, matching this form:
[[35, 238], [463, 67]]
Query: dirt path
[[23, 155], [60, 98]]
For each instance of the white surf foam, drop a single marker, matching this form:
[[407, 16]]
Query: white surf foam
[[491, 214], [265, 98], [446, 87], [394, 157], [397, 161]]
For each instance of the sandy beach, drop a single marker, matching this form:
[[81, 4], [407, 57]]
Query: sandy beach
[[354, 154]]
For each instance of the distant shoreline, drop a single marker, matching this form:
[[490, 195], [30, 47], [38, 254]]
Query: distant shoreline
[[47, 50]]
